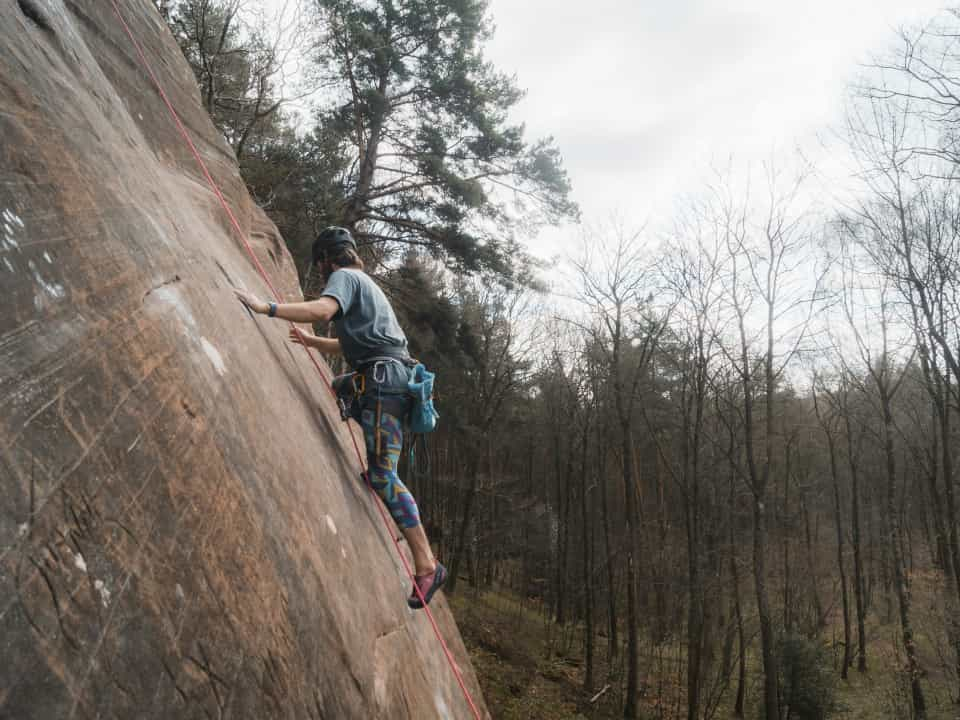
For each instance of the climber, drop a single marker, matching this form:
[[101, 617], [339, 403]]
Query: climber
[[370, 338]]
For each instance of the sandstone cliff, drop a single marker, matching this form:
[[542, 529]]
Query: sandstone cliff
[[182, 528]]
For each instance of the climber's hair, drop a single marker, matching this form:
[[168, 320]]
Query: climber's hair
[[345, 257]]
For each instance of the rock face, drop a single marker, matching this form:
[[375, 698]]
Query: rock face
[[183, 532]]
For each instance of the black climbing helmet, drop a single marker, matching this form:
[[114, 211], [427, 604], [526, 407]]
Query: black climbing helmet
[[331, 239]]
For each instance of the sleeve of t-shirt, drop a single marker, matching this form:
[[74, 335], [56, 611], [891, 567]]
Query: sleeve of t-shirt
[[342, 287]]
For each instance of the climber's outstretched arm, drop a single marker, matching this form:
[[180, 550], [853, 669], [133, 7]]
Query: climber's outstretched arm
[[313, 311]]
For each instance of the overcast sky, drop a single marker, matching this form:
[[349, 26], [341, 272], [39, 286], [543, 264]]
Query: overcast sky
[[643, 95]]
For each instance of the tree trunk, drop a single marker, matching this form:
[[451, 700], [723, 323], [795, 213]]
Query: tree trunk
[[841, 565], [563, 515], [565, 535], [742, 645], [896, 557], [694, 622], [357, 203], [759, 480], [586, 556], [735, 580], [771, 702], [461, 543], [741, 635], [690, 455], [612, 640], [859, 589], [785, 530], [811, 583], [951, 558], [633, 657], [947, 462]]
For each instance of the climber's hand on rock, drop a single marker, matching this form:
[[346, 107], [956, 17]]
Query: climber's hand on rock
[[301, 337], [252, 302]]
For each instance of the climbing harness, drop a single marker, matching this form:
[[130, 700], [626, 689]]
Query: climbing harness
[[263, 274], [349, 389]]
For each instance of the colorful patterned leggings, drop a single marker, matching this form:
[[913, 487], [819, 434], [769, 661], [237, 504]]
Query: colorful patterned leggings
[[383, 465]]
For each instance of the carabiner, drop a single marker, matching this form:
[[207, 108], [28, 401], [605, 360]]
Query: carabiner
[[359, 384]]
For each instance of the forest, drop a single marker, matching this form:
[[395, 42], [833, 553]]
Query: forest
[[707, 467]]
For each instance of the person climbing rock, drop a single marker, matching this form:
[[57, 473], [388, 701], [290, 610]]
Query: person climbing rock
[[373, 344]]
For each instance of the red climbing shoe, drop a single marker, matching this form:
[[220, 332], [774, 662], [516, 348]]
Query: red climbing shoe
[[428, 585]]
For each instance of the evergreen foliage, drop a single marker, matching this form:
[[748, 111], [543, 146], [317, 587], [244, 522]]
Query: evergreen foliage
[[807, 680], [437, 162], [412, 143]]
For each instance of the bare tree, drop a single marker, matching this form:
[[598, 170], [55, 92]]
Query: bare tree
[[920, 79], [765, 263], [880, 365], [615, 287], [907, 230], [504, 351], [691, 269], [241, 60], [829, 425]]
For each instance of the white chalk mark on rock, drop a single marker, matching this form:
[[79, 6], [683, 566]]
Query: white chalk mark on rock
[[22, 529], [170, 296], [104, 592], [80, 562], [11, 221], [54, 290], [331, 525], [9, 265], [180, 595], [215, 357], [51, 288], [442, 710], [343, 551], [46, 256], [380, 689]]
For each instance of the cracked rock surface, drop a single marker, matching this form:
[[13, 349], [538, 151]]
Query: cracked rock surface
[[182, 528]]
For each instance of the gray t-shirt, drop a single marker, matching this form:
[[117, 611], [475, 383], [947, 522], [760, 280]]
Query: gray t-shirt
[[366, 325]]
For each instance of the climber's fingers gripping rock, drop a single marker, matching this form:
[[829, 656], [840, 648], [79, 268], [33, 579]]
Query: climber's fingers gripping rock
[[301, 337], [252, 301]]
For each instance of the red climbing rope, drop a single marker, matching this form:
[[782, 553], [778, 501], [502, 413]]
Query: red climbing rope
[[313, 359]]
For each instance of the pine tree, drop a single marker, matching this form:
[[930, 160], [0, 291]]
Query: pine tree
[[437, 162]]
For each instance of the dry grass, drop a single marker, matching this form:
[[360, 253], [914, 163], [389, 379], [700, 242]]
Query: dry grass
[[531, 669], [523, 668]]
